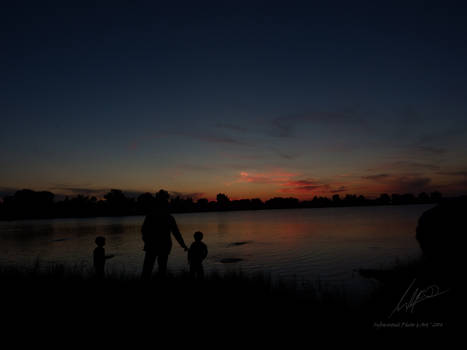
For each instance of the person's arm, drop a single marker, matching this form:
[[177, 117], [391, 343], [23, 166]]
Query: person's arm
[[205, 253], [177, 234], [109, 256]]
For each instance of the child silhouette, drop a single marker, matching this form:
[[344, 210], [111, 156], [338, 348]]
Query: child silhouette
[[100, 257], [196, 254]]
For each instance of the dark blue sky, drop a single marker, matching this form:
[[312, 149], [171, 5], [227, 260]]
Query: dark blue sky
[[248, 98]]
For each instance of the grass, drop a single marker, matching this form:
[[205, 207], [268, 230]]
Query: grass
[[221, 302], [229, 300]]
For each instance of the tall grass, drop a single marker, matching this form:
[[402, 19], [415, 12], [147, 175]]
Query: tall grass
[[235, 292]]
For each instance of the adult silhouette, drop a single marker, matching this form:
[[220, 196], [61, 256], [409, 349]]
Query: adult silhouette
[[156, 231]]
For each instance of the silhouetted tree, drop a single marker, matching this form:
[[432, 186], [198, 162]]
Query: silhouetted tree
[[436, 197], [117, 203], [423, 198], [318, 202], [395, 198], [257, 204], [223, 202], [29, 204], [279, 202], [407, 198], [180, 205], [202, 204], [336, 199], [350, 198], [241, 204], [80, 206], [361, 200], [32, 204], [384, 199]]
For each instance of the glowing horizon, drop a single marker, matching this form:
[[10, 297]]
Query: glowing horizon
[[253, 105]]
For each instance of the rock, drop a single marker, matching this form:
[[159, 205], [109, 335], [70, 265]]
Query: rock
[[235, 244], [230, 260]]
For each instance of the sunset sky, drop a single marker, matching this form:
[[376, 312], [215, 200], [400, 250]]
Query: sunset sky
[[252, 99]]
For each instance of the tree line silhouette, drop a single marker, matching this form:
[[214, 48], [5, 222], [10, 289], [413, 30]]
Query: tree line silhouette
[[29, 204]]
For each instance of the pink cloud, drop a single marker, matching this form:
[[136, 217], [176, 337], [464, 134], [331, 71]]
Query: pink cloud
[[275, 177], [287, 182]]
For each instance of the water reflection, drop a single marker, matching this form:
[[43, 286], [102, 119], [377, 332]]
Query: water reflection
[[328, 243]]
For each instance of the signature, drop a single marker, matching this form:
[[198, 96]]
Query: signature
[[417, 297]]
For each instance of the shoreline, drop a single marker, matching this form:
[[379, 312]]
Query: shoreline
[[212, 211]]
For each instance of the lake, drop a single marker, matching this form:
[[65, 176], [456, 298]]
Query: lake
[[326, 244]]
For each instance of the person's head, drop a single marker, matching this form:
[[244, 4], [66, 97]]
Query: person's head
[[198, 236], [161, 203], [100, 241]]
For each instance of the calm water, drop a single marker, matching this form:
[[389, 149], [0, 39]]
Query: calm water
[[307, 244]]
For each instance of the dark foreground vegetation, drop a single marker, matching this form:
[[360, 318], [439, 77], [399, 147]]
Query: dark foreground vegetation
[[227, 305], [28, 204], [234, 305]]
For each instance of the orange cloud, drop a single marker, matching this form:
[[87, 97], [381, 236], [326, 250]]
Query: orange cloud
[[275, 177], [288, 183]]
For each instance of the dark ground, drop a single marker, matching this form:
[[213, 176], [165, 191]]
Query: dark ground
[[233, 307]]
